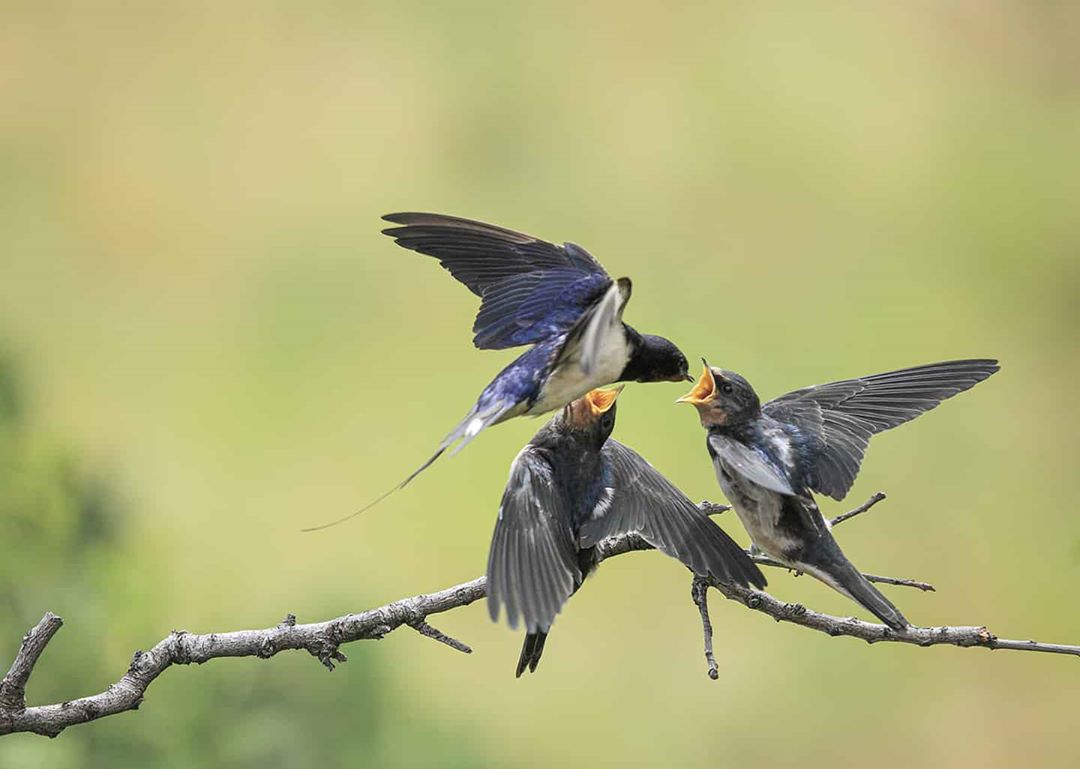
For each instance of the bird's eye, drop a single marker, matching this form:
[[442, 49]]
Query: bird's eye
[[726, 388]]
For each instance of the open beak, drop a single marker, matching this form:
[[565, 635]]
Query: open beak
[[703, 391], [587, 409], [601, 401]]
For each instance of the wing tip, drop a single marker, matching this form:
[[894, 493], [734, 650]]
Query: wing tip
[[739, 565], [404, 217], [987, 364], [993, 365], [405, 221], [459, 224], [978, 369]]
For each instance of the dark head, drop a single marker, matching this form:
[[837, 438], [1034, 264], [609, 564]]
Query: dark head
[[722, 398], [655, 359], [592, 416]]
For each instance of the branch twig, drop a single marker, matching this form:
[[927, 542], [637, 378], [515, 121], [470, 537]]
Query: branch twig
[[320, 639], [323, 639], [963, 636], [699, 589], [858, 510], [13, 687], [926, 587]]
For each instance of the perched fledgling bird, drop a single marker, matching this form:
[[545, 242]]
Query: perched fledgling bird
[[770, 458], [557, 298], [571, 487]]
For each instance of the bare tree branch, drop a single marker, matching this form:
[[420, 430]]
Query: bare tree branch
[[878, 497], [13, 687], [872, 633], [323, 641], [849, 626], [428, 631], [699, 589], [320, 639]]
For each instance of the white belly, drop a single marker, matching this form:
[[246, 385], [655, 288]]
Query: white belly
[[568, 382], [758, 510]]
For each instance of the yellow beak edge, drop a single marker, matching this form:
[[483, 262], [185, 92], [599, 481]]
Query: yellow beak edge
[[601, 401], [702, 391]]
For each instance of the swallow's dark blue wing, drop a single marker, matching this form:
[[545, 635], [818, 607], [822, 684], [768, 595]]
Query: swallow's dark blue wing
[[529, 308], [837, 420], [530, 289], [532, 566], [643, 501]]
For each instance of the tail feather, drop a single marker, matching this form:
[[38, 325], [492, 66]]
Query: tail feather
[[531, 651], [467, 429], [841, 575]]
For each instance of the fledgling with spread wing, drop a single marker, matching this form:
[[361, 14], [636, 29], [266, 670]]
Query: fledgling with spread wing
[[573, 486], [770, 458]]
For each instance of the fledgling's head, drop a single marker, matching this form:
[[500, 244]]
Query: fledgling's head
[[657, 360], [593, 415], [722, 398]]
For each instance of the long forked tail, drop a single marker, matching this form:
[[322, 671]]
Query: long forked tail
[[442, 448], [466, 430], [531, 651], [841, 575]]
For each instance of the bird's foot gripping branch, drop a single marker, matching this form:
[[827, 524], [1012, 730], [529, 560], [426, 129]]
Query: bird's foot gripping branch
[[323, 639]]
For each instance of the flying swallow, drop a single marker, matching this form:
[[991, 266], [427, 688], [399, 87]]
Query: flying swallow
[[558, 299], [571, 487], [770, 458]]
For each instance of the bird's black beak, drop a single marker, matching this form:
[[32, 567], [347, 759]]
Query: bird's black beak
[[688, 377]]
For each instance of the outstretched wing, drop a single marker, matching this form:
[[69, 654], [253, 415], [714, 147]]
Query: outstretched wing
[[644, 501], [838, 419], [532, 566], [530, 289]]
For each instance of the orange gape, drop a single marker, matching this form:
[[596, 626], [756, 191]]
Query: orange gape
[[703, 390], [593, 403], [602, 400]]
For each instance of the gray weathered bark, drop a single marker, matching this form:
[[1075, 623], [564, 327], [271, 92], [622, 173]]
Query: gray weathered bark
[[323, 640]]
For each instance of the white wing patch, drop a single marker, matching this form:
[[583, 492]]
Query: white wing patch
[[604, 503], [782, 443]]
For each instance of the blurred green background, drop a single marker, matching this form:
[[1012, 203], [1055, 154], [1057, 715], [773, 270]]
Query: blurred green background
[[206, 344]]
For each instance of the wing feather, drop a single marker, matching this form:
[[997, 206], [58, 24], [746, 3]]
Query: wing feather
[[530, 289], [532, 565], [838, 419], [647, 503]]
